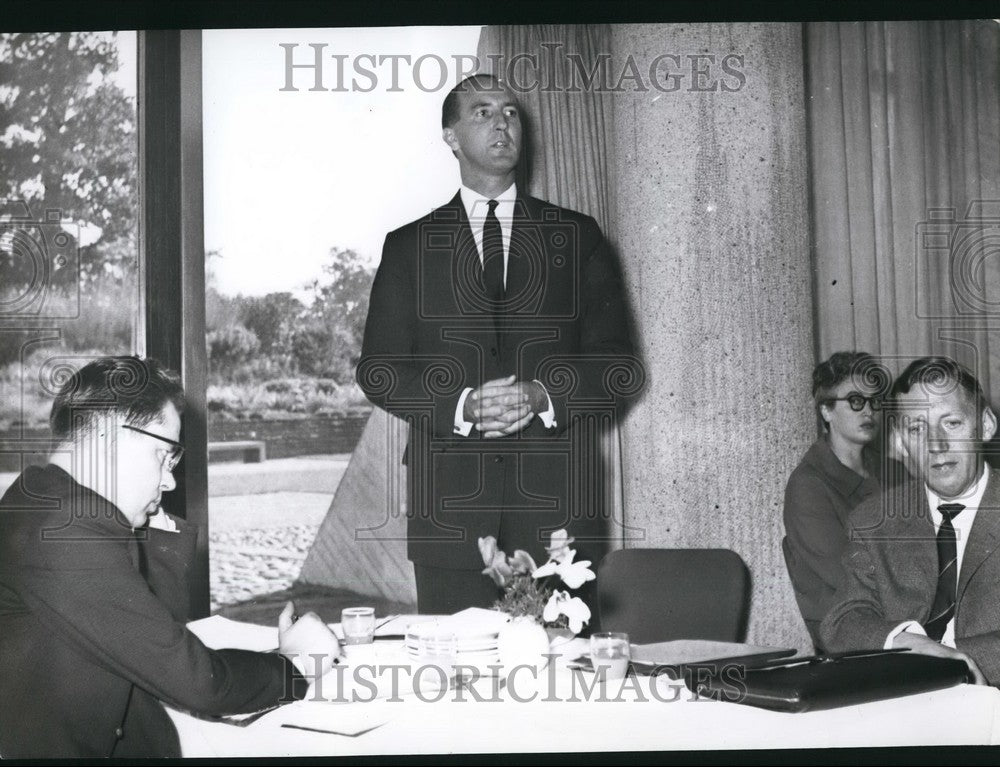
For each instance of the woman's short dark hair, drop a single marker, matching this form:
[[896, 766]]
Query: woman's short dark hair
[[136, 388], [843, 366]]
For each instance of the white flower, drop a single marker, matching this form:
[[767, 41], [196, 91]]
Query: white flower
[[574, 608], [559, 545], [495, 561], [573, 574], [487, 548], [522, 563]]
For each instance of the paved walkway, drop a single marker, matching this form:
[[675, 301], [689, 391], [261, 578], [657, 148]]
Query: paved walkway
[[257, 543], [262, 519]]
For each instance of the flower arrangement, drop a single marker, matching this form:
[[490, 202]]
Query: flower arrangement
[[529, 590]]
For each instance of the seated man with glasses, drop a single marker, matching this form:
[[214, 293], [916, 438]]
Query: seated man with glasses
[[92, 640], [839, 471]]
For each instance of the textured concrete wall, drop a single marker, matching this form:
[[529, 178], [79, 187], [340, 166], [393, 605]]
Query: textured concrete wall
[[712, 228]]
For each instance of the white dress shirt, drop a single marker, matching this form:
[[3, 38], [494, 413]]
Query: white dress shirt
[[476, 208], [963, 526]]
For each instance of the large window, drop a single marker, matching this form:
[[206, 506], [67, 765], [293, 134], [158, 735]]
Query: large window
[[69, 271], [301, 187]]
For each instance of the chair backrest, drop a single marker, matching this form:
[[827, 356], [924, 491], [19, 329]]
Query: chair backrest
[[661, 594]]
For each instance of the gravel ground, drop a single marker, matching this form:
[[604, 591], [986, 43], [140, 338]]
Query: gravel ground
[[257, 543]]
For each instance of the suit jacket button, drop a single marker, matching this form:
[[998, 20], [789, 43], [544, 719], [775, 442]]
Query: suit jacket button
[[493, 351], [119, 733]]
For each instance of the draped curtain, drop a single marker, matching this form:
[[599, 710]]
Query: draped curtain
[[568, 142], [568, 132], [904, 141]]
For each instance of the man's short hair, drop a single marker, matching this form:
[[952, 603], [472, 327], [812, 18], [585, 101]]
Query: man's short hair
[[137, 389], [450, 110], [939, 374]]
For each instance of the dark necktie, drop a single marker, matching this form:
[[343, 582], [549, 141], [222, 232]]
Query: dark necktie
[[943, 609], [493, 255]]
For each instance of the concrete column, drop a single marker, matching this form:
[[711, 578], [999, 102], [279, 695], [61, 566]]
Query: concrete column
[[711, 194]]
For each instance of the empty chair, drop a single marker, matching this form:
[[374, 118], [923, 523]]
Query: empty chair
[[656, 595]]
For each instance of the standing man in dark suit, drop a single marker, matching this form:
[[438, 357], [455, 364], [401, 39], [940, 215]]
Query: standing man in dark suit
[[922, 570], [497, 328], [90, 644]]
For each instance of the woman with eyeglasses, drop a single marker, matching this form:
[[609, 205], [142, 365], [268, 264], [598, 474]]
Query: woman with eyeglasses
[[839, 471]]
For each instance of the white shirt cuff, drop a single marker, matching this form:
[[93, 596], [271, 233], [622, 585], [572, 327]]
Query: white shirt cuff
[[462, 427], [912, 626], [549, 416]]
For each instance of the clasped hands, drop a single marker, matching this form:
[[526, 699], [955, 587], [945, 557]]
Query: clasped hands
[[504, 406]]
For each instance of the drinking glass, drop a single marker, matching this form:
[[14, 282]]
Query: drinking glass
[[358, 624], [610, 653], [439, 649]]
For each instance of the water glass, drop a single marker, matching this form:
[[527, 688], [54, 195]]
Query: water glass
[[610, 653], [358, 624], [439, 649]]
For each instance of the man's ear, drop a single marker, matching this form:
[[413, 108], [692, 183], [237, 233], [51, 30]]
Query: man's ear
[[107, 422], [899, 445], [448, 134], [989, 423]]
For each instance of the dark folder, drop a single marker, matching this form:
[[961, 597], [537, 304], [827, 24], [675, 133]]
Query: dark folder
[[820, 682]]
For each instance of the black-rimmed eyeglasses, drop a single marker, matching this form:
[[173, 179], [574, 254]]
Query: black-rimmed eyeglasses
[[857, 401], [173, 457]]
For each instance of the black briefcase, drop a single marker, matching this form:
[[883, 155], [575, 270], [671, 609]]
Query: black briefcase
[[820, 682]]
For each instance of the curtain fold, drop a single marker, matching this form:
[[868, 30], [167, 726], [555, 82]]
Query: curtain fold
[[569, 140], [904, 142], [568, 131]]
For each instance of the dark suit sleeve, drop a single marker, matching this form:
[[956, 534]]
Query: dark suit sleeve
[[390, 373], [815, 542], [604, 372], [984, 649], [857, 619], [88, 593]]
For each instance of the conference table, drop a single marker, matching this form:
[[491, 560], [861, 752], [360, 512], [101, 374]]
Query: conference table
[[557, 708]]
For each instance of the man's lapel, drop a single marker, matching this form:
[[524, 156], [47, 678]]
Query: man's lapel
[[525, 258], [465, 269], [907, 522], [984, 538]]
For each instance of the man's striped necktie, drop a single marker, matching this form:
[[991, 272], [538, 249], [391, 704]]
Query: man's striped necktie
[[943, 609]]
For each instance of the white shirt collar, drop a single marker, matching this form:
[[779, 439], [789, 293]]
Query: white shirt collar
[[963, 527], [476, 206], [971, 499], [962, 522], [476, 209]]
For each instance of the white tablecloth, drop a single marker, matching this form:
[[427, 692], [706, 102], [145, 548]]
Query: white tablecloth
[[568, 721]]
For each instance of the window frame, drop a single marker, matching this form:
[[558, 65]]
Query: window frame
[[172, 258]]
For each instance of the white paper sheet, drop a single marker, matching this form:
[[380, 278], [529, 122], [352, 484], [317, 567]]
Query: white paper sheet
[[340, 720]]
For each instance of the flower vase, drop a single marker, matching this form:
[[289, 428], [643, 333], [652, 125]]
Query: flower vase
[[523, 642]]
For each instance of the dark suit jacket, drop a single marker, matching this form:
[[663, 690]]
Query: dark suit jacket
[[431, 333], [87, 649], [890, 576]]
